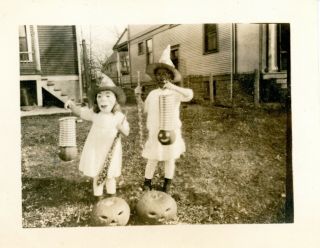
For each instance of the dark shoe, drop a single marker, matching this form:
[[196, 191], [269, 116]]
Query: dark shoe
[[166, 185], [99, 197], [147, 185]]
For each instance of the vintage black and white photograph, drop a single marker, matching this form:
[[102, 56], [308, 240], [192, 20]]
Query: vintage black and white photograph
[[160, 124]]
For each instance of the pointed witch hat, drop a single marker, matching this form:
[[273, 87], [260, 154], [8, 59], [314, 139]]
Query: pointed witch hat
[[164, 62]]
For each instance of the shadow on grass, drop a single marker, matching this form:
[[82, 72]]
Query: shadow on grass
[[41, 192]]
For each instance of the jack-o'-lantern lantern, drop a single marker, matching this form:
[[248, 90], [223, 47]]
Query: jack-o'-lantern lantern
[[112, 211], [156, 207], [166, 137]]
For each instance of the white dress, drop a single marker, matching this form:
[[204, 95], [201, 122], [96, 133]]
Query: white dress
[[153, 149], [99, 141]]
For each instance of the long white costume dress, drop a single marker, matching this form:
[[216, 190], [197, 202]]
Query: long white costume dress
[[99, 141], [153, 149]]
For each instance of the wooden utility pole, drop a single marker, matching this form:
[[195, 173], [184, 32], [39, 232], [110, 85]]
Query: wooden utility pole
[[211, 89], [129, 52], [256, 88]]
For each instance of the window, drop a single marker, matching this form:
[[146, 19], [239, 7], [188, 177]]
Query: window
[[140, 48], [175, 56], [149, 52], [210, 38], [25, 44]]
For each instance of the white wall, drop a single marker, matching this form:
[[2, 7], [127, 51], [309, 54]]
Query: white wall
[[247, 47]]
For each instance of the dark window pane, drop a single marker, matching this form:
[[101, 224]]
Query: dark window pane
[[140, 48], [210, 38]]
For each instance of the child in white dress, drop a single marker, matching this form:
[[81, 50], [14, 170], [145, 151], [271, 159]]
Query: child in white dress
[[103, 139], [164, 73]]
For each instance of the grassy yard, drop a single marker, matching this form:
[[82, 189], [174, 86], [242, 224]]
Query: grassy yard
[[233, 170]]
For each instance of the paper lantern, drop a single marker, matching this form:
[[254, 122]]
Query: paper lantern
[[67, 138], [166, 135]]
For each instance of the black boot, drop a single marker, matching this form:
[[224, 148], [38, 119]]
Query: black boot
[[147, 184], [99, 198], [166, 185]]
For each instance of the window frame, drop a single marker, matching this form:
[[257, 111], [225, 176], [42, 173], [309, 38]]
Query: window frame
[[29, 45], [140, 48], [216, 34], [175, 48], [148, 53]]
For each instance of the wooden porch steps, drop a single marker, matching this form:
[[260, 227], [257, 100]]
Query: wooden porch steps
[[57, 92], [279, 77]]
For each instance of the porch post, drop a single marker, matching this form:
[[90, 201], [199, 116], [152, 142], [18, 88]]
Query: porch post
[[36, 48], [263, 50], [272, 48], [39, 91]]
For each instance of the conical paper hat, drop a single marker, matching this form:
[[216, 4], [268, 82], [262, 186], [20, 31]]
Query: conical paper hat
[[164, 62], [107, 84]]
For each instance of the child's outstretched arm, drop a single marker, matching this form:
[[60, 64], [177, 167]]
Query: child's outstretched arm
[[187, 94], [71, 105]]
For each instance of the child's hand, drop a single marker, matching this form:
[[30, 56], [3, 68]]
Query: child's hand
[[68, 104], [123, 127], [168, 85], [120, 125], [138, 90]]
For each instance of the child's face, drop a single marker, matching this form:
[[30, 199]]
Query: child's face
[[106, 101], [162, 75]]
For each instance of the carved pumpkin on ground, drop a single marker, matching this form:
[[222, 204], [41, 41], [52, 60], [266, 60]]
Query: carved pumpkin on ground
[[112, 211], [156, 207]]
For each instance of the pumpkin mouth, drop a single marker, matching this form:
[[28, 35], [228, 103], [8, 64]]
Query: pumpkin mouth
[[162, 219], [152, 215], [113, 223]]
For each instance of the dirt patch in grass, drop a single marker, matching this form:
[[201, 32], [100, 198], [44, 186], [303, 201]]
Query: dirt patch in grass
[[233, 170]]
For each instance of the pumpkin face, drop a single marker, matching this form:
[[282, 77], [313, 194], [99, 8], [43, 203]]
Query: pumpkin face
[[166, 137], [68, 153], [112, 211], [155, 207]]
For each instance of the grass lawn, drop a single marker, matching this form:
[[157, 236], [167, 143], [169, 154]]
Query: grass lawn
[[233, 170]]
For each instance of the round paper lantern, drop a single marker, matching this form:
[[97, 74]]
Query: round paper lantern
[[155, 207], [112, 211], [68, 153]]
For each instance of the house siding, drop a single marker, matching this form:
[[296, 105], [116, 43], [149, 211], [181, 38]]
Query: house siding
[[192, 60], [247, 47], [29, 68], [58, 50]]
